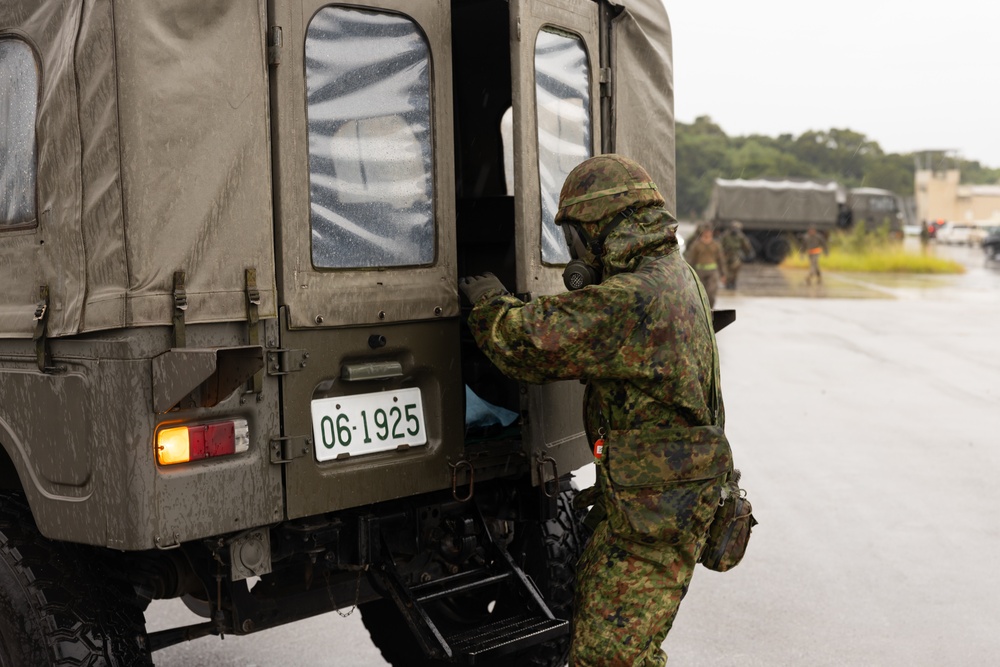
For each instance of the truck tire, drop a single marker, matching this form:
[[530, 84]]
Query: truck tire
[[776, 249], [548, 554], [554, 571], [58, 605]]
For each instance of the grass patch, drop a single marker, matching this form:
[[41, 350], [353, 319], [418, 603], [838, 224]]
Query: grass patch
[[864, 251], [886, 260]]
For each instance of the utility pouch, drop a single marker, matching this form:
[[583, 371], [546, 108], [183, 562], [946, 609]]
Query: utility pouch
[[663, 485], [729, 533], [649, 459]]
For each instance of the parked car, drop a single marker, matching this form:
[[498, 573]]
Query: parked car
[[960, 233], [991, 244]]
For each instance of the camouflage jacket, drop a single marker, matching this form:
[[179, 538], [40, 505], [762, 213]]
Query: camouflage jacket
[[700, 254], [813, 241], [641, 339], [735, 244]]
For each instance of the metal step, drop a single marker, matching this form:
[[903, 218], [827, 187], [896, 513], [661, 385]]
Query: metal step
[[528, 621], [506, 635], [463, 582]]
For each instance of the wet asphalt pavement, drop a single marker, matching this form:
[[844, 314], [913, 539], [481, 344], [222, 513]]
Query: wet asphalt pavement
[[865, 416], [868, 431]]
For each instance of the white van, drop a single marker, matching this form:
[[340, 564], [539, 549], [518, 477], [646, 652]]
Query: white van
[[960, 233]]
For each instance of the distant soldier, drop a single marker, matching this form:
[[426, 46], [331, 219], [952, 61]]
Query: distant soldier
[[735, 245], [813, 244], [708, 260]]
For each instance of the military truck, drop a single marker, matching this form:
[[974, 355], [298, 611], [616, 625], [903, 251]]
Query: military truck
[[234, 367], [775, 211], [875, 208]]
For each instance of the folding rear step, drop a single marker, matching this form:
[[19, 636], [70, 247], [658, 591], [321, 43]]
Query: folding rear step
[[506, 636], [526, 620]]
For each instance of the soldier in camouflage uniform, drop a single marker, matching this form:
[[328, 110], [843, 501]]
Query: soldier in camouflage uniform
[[735, 245], [641, 338], [814, 244], [706, 256]]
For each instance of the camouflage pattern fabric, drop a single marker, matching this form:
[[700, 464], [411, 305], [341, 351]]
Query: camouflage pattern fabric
[[814, 243], [599, 187], [642, 340], [629, 592], [735, 245], [709, 262]]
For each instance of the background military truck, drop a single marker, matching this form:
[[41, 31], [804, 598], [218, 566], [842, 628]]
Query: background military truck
[[776, 212], [876, 208], [233, 362]]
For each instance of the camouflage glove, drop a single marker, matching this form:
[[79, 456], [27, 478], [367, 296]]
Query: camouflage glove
[[475, 287]]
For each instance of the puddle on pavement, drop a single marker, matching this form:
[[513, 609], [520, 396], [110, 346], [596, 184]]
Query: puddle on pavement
[[908, 280], [771, 281], [764, 280]]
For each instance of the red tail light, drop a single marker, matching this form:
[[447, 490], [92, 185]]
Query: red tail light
[[180, 444]]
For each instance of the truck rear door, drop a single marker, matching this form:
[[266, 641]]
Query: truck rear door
[[555, 70], [372, 397]]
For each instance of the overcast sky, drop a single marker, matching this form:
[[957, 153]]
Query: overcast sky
[[908, 75]]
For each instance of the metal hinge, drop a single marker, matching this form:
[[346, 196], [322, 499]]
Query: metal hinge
[[283, 361], [253, 324], [604, 78], [274, 43], [286, 449], [180, 307], [43, 355]]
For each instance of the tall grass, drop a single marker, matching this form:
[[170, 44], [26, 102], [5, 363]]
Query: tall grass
[[873, 251]]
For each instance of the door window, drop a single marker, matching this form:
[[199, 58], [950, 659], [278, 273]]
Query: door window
[[18, 108], [370, 166], [562, 99]]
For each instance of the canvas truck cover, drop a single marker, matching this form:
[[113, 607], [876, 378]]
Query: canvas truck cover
[[643, 92], [775, 204], [149, 154], [151, 146]]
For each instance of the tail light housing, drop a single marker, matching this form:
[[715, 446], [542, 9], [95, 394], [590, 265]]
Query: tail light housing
[[194, 442]]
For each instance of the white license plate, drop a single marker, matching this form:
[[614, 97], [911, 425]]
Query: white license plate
[[366, 423]]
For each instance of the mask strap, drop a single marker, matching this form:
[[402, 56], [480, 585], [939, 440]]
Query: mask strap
[[596, 246]]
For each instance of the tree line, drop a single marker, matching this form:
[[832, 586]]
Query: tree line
[[705, 152]]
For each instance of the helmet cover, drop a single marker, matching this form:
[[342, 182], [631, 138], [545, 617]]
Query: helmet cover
[[602, 186]]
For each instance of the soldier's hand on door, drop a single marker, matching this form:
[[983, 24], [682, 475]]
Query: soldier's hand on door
[[476, 287]]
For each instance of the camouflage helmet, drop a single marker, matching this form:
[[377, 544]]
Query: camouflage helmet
[[602, 186]]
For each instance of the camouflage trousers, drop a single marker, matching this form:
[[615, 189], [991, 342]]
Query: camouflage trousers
[[710, 279], [630, 582], [814, 271], [732, 273]]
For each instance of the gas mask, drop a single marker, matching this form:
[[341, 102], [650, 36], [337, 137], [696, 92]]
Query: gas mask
[[585, 267]]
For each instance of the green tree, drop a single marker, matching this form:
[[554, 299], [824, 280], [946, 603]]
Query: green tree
[[705, 152], [974, 173], [844, 153]]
